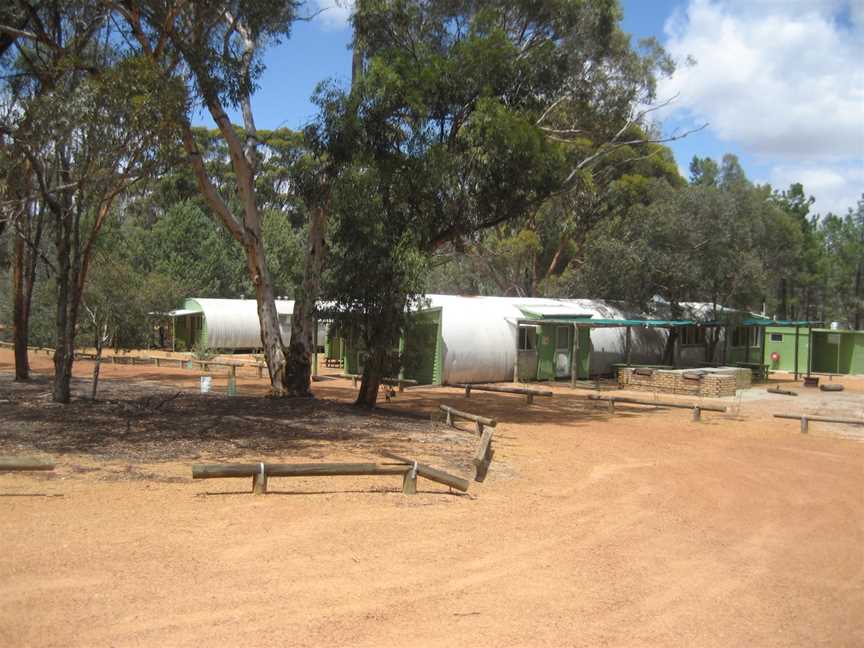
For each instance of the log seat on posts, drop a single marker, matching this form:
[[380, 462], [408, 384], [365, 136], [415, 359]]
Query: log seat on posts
[[524, 391], [261, 471], [807, 418], [483, 455], [20, 464], [695, 407]]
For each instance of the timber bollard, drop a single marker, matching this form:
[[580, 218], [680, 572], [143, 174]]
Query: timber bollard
[[697, 413], [804, 425], [232, 381]]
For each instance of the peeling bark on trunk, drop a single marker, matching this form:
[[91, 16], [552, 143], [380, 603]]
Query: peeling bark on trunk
[[373, 373], [271, 334], [301, 346]]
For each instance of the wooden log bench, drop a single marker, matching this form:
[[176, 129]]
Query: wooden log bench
[[524, 391], [260, 471], [696, 408], [807, 418], [481, 421], [485, 425], [20, 464]]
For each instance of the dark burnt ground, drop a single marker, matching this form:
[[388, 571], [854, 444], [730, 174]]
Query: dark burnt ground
[[145, 422]]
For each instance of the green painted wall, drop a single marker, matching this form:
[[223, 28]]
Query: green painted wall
[[547, 345], [423, 349], [192, 328], [838, 352], [786, 348]]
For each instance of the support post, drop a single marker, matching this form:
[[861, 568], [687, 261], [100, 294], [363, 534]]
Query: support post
[[746, 345], [797, 331], [627, 345], [232, 381], [697, 413], [529, 398], [467, 391], [611, 406], [805, 423], [315, 347], [809, 349], [409, 481], [515, 358], [259, 480], [574, 354], [157, 361]]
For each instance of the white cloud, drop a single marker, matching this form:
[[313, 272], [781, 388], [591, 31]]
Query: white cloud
[[836, 188], [781, 80], [772, 77], [334, 14]]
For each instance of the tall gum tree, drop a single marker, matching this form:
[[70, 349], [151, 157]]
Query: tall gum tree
[[215, 47]]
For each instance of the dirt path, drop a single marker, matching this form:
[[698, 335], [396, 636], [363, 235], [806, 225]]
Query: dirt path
[[641, 529]]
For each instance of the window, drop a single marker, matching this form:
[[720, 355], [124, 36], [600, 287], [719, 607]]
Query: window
[[562, 337], [776, 337], [742, 335], [527, 339], [692, 335]]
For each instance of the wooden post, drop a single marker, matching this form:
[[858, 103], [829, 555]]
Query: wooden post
[[697, 413], [157, 361], [259, 480], [809, 349], [232, 381], [479, 426], [804, 425], [516, 357], [797, 330], [627, 346], [409, 481], [611, 406], [449, 418], [483, 456], [746, 345], [529, 398], [725, 345], [467, 391], [260, 371], [574, 354]]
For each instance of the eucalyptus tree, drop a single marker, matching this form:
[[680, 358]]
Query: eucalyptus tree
[[81, 108], [215, 48], [468, 114]]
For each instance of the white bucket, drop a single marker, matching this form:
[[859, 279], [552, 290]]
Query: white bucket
[[206, 384]]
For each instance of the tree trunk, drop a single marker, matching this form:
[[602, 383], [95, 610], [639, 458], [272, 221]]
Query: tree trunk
[[20, 323], [100, 337], [301, 346], [268, 317], [63, 328], [373, 373]]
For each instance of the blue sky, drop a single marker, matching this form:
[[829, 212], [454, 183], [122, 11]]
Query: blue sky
[[780, 83]]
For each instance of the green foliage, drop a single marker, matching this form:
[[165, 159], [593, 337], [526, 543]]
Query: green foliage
[[202, 351]]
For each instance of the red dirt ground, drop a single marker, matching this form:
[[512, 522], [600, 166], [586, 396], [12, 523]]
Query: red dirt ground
[[639, 529]]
